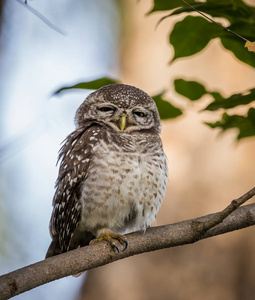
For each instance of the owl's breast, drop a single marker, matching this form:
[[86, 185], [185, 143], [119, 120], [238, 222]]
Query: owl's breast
[[123, 189]]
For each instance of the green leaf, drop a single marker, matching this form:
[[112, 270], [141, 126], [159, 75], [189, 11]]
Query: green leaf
[[191, 35], [216, 95], [244, 124], [160, 5], [232, 101], [89, 85], [236, 45], [165, 109], [190, 89], [216, 10]]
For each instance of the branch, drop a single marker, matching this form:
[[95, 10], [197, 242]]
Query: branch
[[41, 17], [155, 238]]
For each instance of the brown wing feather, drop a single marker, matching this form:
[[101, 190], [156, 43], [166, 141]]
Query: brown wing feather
[[75, 156]]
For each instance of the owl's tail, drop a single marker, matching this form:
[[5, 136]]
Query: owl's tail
[[54, 248], [79, 239]]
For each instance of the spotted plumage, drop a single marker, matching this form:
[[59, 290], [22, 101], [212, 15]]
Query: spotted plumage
[[113, 170]]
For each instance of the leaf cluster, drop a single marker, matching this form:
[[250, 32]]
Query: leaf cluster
[[189, 37]]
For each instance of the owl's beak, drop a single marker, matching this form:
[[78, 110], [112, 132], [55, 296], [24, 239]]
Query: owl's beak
[[123, 121]]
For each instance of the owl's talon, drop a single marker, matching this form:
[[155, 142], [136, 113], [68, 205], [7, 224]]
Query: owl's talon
[[109, 237], [125, 245], [115, 246]]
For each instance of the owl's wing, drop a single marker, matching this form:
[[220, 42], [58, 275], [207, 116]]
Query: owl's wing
[[75, 156]]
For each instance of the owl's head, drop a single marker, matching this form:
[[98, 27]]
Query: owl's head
[[124, 108]]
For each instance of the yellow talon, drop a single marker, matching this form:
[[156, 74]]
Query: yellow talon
[[110, 237]]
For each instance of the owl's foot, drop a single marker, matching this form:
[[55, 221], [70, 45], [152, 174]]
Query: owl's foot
[[111, 238]]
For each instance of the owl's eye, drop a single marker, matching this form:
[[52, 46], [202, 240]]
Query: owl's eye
[[106, 108], [140, 114]]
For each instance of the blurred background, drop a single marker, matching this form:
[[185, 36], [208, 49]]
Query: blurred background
[[207, 170]]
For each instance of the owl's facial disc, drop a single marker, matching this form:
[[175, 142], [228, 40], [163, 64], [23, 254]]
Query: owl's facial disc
[[125, 120]]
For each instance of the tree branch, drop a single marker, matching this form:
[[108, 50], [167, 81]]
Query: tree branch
[[41, 17], [155, 238]]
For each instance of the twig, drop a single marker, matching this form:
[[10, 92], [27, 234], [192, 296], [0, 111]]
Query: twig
[[155, 238], [41, 17], [211, 20], [203, 228]]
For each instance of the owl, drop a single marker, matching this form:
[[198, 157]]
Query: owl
[[113, 171]]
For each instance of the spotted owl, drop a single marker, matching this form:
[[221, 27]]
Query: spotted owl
[[113, 171]]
